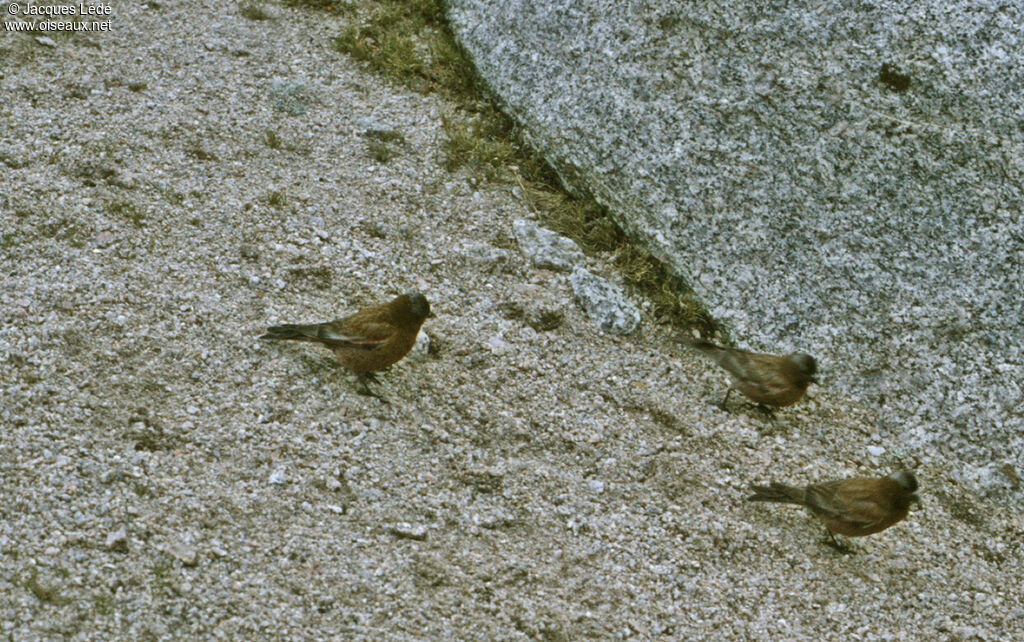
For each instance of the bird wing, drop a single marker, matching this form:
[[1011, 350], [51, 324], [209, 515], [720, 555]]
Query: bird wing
[[356, 332], [851, 503], [756, 371], [735, 361]]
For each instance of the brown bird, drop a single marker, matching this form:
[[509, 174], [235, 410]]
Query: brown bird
[[369, 340], [852, 507], [769, 380]]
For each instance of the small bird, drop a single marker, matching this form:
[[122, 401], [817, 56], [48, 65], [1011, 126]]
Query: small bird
[[767, 379], [852, 507], [369, 340]]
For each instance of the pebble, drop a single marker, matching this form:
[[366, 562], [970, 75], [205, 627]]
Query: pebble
[[409, 531]]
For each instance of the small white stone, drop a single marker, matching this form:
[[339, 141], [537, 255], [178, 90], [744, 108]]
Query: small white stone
[[118, 540], [183, 552], [409, 531], [279, 477], [498, 346]]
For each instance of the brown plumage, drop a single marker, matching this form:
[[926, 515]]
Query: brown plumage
[[369, 340], [767, 379], [852, 507]]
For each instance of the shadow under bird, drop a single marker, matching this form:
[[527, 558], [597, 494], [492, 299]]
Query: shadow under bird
[[368, 341], [770, 380], [853, 507]]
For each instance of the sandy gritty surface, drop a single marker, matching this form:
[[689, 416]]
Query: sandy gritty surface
[[173, 186]]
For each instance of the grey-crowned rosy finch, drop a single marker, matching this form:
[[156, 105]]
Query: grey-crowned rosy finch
[[852, 507], [369, 340], [770, 380]]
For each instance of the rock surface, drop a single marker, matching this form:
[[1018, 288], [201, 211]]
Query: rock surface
[[844, 180], [604, 302], [546, 249], [570, 484]]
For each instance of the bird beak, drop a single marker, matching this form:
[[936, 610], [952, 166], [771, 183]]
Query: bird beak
[[431, 316], [916, 499], [813, 380]]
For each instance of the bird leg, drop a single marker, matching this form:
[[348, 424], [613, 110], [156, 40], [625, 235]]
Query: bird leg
[[727, 393], [836, 544], [364, 386], [763, 408]]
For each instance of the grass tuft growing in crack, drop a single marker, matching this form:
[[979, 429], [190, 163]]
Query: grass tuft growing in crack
[[411, 42]]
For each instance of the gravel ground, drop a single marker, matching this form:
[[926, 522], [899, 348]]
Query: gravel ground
[[813, 202], [173, 186]]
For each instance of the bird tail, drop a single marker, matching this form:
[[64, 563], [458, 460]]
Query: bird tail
[[702, 345], [777, 492], [293, 332], [719, 354], [699, 344]]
